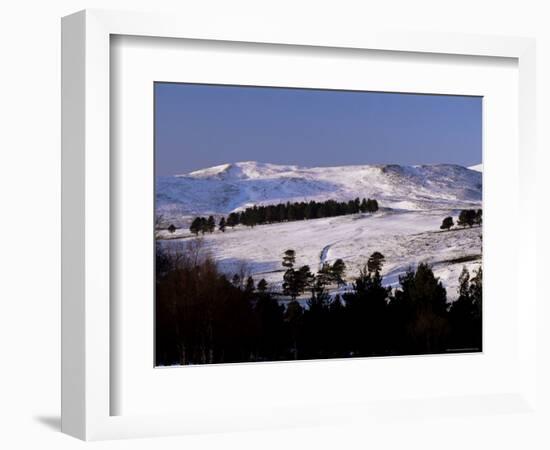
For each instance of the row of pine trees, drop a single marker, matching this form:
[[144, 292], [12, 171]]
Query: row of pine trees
[[283, 212], [204, 318]]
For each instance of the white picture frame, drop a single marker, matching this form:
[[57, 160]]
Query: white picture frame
[[86, 196]]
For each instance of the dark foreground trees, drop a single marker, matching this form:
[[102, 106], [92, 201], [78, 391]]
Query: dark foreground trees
[[465, 312], [420, 303], [203, 318]]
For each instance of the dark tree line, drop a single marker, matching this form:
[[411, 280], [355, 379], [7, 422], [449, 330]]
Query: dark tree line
[[285, 212], [202, 317], [466, 218]]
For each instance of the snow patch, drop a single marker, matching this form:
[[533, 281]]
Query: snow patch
[[477, 167]]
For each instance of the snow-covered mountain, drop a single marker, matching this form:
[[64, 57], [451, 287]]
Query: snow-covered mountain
[[413, 200], [228, 187]]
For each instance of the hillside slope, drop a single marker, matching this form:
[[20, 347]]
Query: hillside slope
[[225, 188], [413, 200]]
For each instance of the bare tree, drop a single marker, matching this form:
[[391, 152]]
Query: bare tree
[[196, 252], [242, 274]]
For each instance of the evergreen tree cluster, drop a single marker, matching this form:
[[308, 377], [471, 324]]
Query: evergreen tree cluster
[[465, 312], [467, 217], [203, 318], [203, 225], [287, 212], [297, 281], [470, 217]]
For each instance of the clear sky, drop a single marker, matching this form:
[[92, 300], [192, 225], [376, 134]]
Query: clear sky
[[198, 126]]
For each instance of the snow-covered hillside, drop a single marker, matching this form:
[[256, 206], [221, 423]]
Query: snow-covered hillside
[[222, 189], [413, 201]]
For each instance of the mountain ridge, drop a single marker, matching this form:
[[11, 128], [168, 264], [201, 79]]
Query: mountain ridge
[[227, 187]]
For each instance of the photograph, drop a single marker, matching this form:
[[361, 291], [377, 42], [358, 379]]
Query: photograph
[[297, 223]]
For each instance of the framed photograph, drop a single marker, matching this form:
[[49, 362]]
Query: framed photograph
[[358, 234], [257, 221]]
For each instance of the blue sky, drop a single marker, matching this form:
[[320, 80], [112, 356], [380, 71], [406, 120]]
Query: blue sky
[[198, 126]]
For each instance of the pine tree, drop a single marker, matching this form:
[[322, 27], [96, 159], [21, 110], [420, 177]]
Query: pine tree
[[293, 316], [172, 229], [203, 225], [309, 210], [338, 270], [372, 205], [324, 276], [366, 308], [222, 225], [232, 220], [291, 211], [295, 282], [281, 212], [210, 224], [375, 262], [270, 339], [262, 286], [478, 219], [289, 283], [249, 287], [447, 223], [268, 215], [246, 217], [464, 284], [465, 312], [476, 291], [368, 283], [304, 279], [320, 299], [467, 217], [195, 227], [426, 298], [253, 220], [356, 205], [289, 258]]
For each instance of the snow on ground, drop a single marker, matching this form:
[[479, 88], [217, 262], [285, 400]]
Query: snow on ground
[[413, 199], [405, 238]]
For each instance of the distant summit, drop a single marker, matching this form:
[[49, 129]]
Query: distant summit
[[240, 170]]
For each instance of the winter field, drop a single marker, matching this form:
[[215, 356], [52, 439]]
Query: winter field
[[413, 202]]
